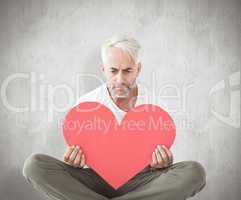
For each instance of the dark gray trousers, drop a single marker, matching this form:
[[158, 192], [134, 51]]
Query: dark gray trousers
[[61, 181]]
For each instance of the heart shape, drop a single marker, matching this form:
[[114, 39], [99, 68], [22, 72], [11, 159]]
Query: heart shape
[[117, 152]]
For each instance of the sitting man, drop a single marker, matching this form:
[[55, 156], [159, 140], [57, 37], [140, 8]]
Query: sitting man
[[72, 179]]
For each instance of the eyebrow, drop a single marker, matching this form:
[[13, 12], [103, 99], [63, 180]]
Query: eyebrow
[[128, 68]]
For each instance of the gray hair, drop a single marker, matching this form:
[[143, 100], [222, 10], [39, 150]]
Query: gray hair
[[124, 42]]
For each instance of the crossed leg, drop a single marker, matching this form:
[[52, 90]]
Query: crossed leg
[[176, 182], [60, 181], [63, 182]]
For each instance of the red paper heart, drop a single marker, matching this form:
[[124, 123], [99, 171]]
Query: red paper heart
[[118, 152]]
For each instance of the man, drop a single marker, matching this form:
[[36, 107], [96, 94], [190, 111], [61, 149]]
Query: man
[[74, 180]]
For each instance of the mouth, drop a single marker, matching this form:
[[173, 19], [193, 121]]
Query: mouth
[[122, 87], [121, 90]]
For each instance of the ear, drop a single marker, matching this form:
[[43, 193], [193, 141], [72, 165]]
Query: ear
[[102, 67], [139, 66]]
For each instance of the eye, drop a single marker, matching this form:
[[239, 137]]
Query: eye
[[128, 70], [112, 70]]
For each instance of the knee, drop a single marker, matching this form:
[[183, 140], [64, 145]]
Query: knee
[[196, 174], [32, 166]]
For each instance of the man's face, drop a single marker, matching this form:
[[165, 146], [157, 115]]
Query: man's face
[[121, 72]]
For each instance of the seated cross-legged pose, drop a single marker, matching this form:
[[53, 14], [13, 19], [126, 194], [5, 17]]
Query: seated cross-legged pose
[[73, 179]]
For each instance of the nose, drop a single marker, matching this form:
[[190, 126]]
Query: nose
[[119, 78]]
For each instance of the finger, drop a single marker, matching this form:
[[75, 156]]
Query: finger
[[159, 158], [154, 160], [82, 162], [169, 153], [73, 155], [164, 155], [68, 153], [77, 160]]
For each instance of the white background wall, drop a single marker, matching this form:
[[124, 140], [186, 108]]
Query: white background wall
[[191, 58]]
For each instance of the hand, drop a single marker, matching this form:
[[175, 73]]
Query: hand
[[75, 157], [161, 157]]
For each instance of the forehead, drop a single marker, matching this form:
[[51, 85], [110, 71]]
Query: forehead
[[119, 58]]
